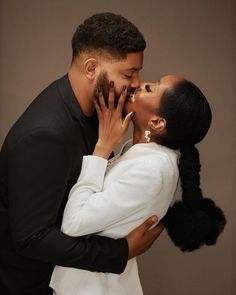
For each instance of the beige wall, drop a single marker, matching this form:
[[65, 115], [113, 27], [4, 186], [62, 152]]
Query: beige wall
[[195, 39]]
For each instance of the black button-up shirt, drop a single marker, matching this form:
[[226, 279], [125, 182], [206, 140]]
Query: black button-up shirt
[[40, 161]]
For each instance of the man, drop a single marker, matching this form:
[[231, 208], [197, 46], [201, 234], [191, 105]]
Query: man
[[41, 160]]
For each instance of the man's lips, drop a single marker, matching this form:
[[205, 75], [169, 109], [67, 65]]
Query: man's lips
[[128, 96], [131, 95]]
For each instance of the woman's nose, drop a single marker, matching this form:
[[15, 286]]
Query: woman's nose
[[143, 84]]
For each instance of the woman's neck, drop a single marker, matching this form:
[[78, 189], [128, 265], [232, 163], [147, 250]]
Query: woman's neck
[[138, 136]]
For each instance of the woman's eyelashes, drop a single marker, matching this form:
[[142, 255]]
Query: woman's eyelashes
[[148, 88]]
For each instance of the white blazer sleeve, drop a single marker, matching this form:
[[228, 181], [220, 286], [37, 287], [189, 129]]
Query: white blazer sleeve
[[90, 210]]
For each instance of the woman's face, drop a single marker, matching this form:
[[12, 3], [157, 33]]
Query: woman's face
[[146, 100]]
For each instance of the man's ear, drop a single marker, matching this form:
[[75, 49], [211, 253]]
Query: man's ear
[[157, 125], [90, 66]]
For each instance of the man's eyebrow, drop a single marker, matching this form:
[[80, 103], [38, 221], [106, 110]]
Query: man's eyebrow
[[134, 69]]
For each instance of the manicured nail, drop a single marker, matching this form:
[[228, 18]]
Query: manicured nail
[[154, 218], [111, 84]]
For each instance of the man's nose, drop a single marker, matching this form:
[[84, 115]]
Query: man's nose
[[135, 83]]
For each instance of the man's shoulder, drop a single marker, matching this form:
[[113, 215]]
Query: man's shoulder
[[52, 88], [46, 112]]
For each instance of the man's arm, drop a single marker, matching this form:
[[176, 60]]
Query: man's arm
[[38, 169]]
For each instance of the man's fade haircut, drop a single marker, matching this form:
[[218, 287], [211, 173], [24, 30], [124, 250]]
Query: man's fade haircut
[[107, 32]]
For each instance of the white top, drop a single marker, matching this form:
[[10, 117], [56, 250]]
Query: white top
[[111, 198]]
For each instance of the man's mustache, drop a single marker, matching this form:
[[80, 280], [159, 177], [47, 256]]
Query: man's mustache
[[130, 92]]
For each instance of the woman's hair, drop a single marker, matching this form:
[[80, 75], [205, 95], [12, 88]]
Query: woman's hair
[[187, 114], [195, 220]]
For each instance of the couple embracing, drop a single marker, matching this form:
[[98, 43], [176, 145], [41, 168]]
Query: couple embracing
[[73, 215]]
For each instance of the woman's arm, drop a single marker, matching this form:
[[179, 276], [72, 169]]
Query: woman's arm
[[90, 210]]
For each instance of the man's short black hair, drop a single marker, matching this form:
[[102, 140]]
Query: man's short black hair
[[108, 32]]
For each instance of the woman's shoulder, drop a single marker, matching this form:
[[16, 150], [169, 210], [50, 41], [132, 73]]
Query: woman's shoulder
[[152, 152], [142, 159]]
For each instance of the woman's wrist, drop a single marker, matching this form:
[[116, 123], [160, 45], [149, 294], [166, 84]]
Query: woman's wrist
[[102, 150]]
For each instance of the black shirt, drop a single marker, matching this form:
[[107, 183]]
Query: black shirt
[[40, 161]]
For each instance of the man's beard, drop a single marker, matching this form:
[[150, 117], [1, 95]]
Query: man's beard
[[103, 85]]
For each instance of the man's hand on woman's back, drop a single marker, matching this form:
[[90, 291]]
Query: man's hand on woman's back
[[142, 237]]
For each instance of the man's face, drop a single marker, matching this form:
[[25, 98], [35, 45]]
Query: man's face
[[123, 72]]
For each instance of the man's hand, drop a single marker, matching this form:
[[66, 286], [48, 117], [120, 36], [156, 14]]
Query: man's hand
[[141, 238]]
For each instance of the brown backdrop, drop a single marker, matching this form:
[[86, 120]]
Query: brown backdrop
[[195, 39]]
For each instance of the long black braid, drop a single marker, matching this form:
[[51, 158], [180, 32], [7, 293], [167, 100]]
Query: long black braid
[[195, 220]]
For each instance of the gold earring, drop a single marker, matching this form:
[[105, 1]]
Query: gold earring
[[147, 135]]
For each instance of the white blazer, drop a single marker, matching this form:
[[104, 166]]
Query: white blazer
[[111, 198]]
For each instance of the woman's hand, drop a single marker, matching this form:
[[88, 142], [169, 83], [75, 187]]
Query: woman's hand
[[111, 126]]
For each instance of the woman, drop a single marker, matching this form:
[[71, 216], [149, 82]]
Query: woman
[[113, 197]]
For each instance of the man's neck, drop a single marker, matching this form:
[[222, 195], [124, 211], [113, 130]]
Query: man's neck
[[82, 91]]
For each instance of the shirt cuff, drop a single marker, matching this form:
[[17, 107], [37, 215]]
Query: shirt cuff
[[122, 252], [93, 170]]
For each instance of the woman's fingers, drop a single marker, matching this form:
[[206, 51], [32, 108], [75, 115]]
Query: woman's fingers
[[121, 101], [101, 100], [127, 120], [111, 96], [110, 111], [97, 107], [111, 126]]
